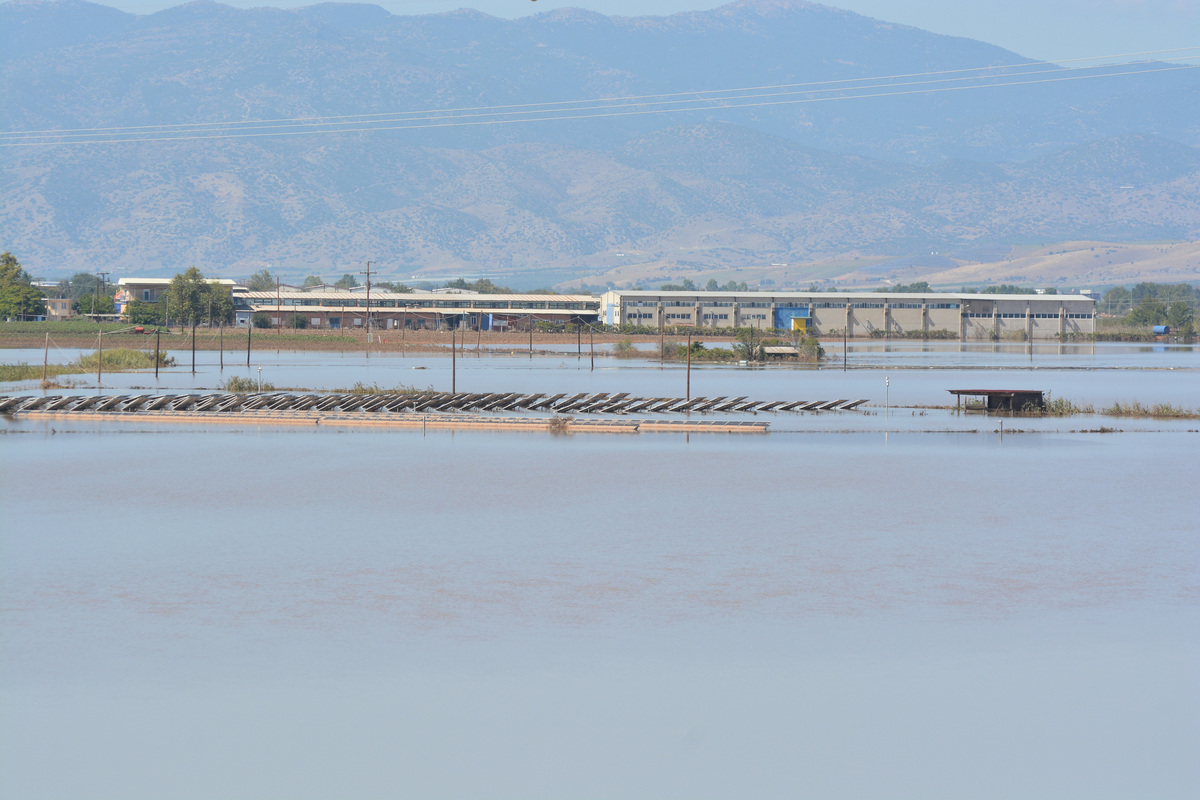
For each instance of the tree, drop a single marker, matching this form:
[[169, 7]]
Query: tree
[[84, 284], [1180, 317], [481, 286], [220, 305], [195, 300], [1115, 301], [712, 285], [347, 281], [18, 297], [143, 313], [313, 280], [1148, 312], [94, 304], [260, 320], [920, 287], [261, 281]]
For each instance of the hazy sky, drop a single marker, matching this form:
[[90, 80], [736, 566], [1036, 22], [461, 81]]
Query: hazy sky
[[1044, 29]]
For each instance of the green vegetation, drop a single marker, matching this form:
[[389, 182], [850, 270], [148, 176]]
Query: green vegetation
[[920, 287], [375, 388], [19, 298], [1149, 304], [261, 281], [481, 286], [347, 281], [1061, 407], [1157, 411], [240, 385], [625, 349], [192, 300], [115, 360]]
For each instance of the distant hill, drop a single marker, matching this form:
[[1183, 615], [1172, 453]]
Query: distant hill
[[1107, 159]]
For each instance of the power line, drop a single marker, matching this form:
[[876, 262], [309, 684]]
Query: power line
[[527, 110], [517, 107], [441, 120]]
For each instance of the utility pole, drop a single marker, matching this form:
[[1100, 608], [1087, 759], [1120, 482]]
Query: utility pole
[[367, 321], [157, 334], [193, 346], [99, 356], [592, 346], [249, 334], [531, 337], [46, 358], [689, 366], [222, 345], [278, 312], [96, 294]]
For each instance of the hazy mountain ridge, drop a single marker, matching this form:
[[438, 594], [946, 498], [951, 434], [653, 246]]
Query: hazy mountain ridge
[[743, 186]]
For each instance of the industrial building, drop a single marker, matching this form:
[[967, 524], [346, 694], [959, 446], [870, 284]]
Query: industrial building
[[860, 314], [414, 310]]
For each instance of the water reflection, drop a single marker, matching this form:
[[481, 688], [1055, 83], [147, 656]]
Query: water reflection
[[817, 615]]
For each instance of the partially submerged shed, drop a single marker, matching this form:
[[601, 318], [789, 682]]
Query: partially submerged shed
[[1011, 400]]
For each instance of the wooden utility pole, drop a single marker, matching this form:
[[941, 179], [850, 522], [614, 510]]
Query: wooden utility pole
[[157, 334], [99, 356], [578, 341], [193, 346], [689, 366]]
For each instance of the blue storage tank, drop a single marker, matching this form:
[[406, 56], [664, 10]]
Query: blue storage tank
[[1162, 329]]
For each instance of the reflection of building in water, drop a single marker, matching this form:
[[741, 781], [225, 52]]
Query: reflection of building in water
[[1015, 317], [414, 310]]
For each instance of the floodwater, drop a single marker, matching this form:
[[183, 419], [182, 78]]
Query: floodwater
[[885, 374], [847, 607]]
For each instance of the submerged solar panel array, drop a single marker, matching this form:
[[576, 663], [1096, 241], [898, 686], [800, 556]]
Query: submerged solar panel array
[[424, 402]]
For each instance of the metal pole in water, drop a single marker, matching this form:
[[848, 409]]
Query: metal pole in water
[[99, 355], [46, 358], [249, 333], [844, 356], [453, 362], [193, 347], [689, 366], [592, 347], [157, 335], [531, 337], [222, 328]]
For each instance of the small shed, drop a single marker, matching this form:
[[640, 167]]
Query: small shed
[[1010, 400]]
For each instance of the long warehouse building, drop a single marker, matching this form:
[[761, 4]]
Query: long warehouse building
[[860, 314], [414, 310]]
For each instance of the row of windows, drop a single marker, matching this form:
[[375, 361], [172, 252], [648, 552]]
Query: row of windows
[[716, 316]]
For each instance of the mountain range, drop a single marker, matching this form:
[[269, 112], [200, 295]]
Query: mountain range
[[796, 173]]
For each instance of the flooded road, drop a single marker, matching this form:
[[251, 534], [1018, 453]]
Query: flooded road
[[277, 613]]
